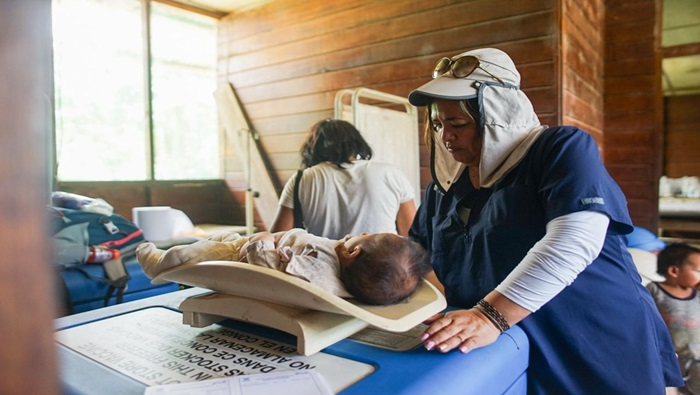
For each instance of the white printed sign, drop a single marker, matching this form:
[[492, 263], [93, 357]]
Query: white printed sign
[[154, 347]]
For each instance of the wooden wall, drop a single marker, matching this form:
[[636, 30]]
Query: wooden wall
[[204, 202], [287, 59], [28, 358], [634, 104], [592, 64], [582, 65], [682, 136]]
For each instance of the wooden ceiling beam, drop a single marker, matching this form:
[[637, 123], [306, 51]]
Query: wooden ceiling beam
[[188, 7], [681, 50]]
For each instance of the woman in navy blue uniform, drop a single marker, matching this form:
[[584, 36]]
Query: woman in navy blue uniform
[[526, 226]]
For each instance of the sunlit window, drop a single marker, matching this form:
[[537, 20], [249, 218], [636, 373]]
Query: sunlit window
[[183, 46], [108, 112]]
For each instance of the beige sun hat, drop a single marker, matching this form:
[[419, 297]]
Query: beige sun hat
[[507, 118], [446, 86]]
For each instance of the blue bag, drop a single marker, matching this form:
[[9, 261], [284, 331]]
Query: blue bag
[[110, 231], [74, 231]]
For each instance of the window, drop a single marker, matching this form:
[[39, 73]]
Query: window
[[122, 115]]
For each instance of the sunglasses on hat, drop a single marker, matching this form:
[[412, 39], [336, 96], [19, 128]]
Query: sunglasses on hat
[[460, 67]]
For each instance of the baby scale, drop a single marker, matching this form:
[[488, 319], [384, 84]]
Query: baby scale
[[264, 296]]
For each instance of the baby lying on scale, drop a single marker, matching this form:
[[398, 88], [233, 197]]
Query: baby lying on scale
[[377, 269]]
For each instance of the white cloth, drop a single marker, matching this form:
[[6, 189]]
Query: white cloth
[[312, 258], [296, 252], [510, 128], [571, 243], [362, 197]]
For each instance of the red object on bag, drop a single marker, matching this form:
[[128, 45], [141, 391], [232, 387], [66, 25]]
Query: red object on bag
[[100, 254]]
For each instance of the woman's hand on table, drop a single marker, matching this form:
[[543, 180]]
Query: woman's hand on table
[[462, 329]]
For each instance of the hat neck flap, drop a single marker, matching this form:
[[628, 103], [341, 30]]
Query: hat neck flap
[[510, 127]]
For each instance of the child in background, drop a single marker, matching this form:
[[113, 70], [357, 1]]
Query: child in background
[[679, 303], [378, 269]]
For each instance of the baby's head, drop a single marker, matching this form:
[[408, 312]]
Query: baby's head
[[678, 260], [382, 269]]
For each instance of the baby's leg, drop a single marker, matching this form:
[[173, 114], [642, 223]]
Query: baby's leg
[[154, 261], [226, 236], [149, 257]]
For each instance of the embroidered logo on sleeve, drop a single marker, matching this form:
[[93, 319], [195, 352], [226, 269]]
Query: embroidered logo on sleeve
[[592, 200]]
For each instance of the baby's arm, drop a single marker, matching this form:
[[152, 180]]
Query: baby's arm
[[316, 267], [266, 238], [260, 250]]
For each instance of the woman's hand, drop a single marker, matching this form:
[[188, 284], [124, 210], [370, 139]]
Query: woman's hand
[[463, 329]]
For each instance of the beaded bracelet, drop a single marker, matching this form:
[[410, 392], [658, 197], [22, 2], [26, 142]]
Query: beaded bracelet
[[493, 315]]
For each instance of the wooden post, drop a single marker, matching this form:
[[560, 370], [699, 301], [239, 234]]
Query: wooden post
[[27, 300]]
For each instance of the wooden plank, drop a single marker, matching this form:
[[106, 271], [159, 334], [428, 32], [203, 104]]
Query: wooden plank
[[682, 50], [628, 84], [265, 18], [238, 130], [398, 78], [331, 23], [183, 195], [287, 67], [581, 59], [630, 138], [285, 161], [639, 29], [583, 110], [589, 86], [630, 155], [638, 190], [412, 72], [28, 280], [682, 109], [676, 170], [633, 172], [291, 123], [633, 101], [284, 143], [624, 120], [462, 38], [583, 19], [582, 65], [629, 11], [682, 139], [685, 154], [386, 25], [189, 198], [193, 8], [631, 68], [689, 138]]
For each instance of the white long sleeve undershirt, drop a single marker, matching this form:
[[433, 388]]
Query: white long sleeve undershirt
[[570, 244]]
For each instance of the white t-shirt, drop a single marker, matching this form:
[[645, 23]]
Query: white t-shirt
[[362, 197]]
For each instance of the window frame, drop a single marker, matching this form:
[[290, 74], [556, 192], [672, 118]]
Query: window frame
[[150, 180]]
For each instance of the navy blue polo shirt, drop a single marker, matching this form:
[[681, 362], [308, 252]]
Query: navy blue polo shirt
[[602, 334]]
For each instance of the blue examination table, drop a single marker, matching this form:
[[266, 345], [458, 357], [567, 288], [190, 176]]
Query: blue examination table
[[499, 368]]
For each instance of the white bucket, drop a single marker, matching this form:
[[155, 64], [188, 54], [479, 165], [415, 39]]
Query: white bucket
[[161, 223]]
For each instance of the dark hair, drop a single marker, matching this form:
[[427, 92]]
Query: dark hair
[[334, 140], [469, 106], [674, 255], [383, 276]]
